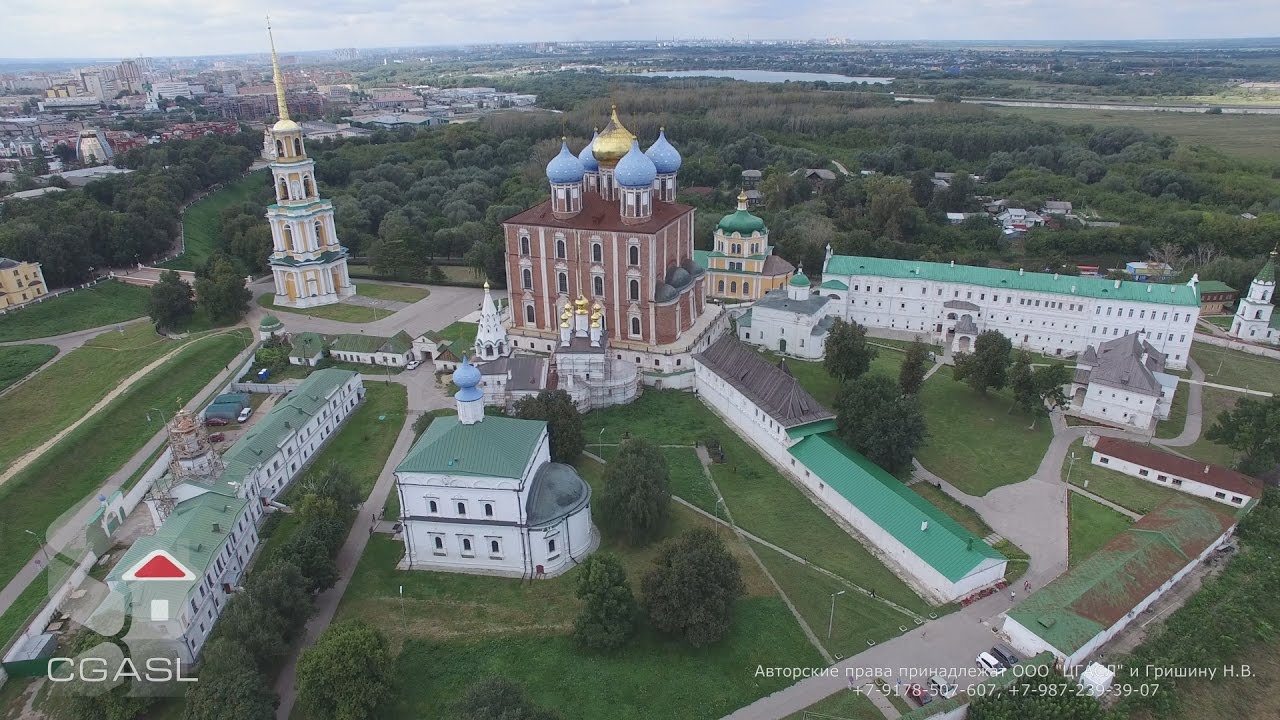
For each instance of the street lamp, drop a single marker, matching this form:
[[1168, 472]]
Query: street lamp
[[159, 412], [831, 620], [1071, 465], [40, 542]]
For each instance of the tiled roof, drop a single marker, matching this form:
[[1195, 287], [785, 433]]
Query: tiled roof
[[1086, 287], [1097, 593], [494, 447], [946, 546], [600, 214], [1119, 364], [774, 265], [769, 387], [1161, 461]]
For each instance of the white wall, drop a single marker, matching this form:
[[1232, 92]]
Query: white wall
[[1118, 406], [770, 327], [1191, 486]]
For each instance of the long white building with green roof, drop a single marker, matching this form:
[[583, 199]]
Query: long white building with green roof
[[1047, 313]]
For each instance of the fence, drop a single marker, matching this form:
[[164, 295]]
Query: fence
[[267, 388], [1237, 345]]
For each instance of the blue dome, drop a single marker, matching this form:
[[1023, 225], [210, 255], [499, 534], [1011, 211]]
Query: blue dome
[[587, 159], [565, 168], [663, 154], [467, 377], [635, 169]]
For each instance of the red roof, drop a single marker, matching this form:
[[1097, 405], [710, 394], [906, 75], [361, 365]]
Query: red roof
[[1147, 456], [600, 214]]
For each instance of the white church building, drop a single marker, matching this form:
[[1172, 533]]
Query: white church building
[[1255, 320], [791, 320], [479, 494], [1123, 382]]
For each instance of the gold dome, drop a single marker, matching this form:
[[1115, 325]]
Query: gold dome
[[613, 142], [581, 305]]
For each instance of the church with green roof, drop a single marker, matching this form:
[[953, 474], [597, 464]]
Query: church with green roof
[[742, 265]]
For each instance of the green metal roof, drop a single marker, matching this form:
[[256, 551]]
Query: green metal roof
[[270, 322], [800, 280], [744, 320], [741, 222], [1097, 593], [821, 426], [1214, 286], [834, 285], [188, 535], [262, 440], [945, 545], [1268, 271], [494, 447], [700, 258], [399, 343], [307, 345], [1087, 287]]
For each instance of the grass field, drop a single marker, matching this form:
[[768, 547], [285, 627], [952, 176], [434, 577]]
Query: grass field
[[26, 604], [362, 446], [685, 473], [1128, 492], [395, 293], [342, 312], [1222, 321], [1251, 137], [974, 442], [74, 468], [201, 224], [813, 376], [102, 304], [1177, 421], [1237, 369], [453, 273], [1092, 525], [760, 499], [64, 392], [844, 706], [461, 332], [18, 361]]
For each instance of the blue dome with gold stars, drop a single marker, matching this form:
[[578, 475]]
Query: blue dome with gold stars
[[635, 169], [663, 154], [565, 167]]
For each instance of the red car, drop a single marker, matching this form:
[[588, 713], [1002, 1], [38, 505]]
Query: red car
[[217, 437], [216, 421], [921, 696]]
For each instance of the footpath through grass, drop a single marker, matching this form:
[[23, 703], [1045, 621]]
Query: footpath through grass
[[974, 442], [342, 312], [19, 361], [71, 471], [1234, 368], [202, 225], [1092, 524], [64, 392], [103, 304], [1126, 491]]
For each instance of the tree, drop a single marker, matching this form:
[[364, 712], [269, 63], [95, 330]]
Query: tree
[[347, 674], [877, 420], [1050, 382], [911, 375], [83, 699], [564, 423], [222, 294], [311, 547], [281, 586], [259, 628], [988, 365], [170, 303], [848, 354], [230, 686], [1253, 428], [1023, 383], [498, 698], [607, 618], [692, 588], [636, 499]]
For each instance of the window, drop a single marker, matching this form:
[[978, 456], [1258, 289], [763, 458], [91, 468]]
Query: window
[[439, 544], [597, 252], [634, 286], [551, 547], [560, 249], [488, 509], [462, 508], [495, 548], [633, 255], [524, 245], [1143, 472], [466, 547], [562, 282], [433, 506], [597, 286], [1237, 499], [746, 288], [733, 287], [526, 279], [720, 286], [528, 313], [1105, 461], [635, 326], [1220, 495]]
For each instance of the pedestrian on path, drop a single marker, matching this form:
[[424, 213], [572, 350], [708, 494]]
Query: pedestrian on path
[[1012, 595], [1026, 586]]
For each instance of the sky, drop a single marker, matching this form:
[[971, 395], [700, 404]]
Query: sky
[[110, 29]]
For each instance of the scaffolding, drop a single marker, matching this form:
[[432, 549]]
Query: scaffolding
[[191, 457]]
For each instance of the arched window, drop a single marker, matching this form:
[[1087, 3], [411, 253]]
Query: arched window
[[439, 544], [488, 509], [307, 190], [528, 313], [633, 255], [297, 147], [288, 237], [562, 281], [560, 249], [597, 252], [493, 547], [719, 286], [524, 246], [284, 189], [279, 149], [635, 326], [320, 234], [462, 508], [466, 545], [733, 287], [1257, 315], [746, 288], [433, 506], [635, 289], [526, 278], [597, 286]]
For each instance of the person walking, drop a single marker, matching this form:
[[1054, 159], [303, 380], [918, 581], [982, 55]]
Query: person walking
[[1012, 595]]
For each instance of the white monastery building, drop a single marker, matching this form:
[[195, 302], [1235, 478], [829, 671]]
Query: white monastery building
[[1157, 467], [479, 494], [1122, 382], [792, 320], [1255, 320]]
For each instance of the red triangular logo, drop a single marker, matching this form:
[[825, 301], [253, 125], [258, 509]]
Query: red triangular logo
[[159, 565]]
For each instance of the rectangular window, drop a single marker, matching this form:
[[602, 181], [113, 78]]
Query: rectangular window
[[1105, 461], [1220, 495], [1143, 472]]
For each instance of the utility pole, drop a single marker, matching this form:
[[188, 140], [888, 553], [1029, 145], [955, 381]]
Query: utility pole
[[832, 619]]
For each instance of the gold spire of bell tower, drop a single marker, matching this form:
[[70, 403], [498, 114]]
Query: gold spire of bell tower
[[282, 106]]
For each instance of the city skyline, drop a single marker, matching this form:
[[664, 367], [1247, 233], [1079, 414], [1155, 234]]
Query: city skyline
[[130, 28]]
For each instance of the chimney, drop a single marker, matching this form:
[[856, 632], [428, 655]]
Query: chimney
[[1073, 289], [1021, 271], [217, 527], [969, 545], [1117, 282], [1206, 469], [924, 526], [953, 263], [1055, 276], [1148, 287]]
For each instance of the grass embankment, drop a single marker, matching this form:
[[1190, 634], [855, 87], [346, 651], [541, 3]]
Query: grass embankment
[[362, 446], [19, 361], [844, 706], [342, 312], [102, 304], [76, 467], [460, 332], [688, 482], [456, 628], [202, 225], [1234, 368], [394, 293], [453, 274], [1091, 526], [64, 392], [1128, 492]]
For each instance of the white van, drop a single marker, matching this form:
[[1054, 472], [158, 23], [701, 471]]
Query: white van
[[989, 665], [939, 687]]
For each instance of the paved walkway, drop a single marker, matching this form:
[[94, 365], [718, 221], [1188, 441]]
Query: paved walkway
[[1103, 501], [443, 306]]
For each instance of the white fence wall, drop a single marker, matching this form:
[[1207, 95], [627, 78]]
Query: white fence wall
[[1237, 345], [282, 388]]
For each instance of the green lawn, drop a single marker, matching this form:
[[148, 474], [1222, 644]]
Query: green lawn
[[1128, 492], [102, 304], [71, 471], [64, 392], [845, 705], [974, 442], [760, 499], [688, 482], [453, 273], [462, 332], [362, 446], [202, 225], [1177, 421], [395, 293], [19, 361], [342, 312], [1222, 321], [1092, 525], [813, 376], [31, 599], [1234, 368]]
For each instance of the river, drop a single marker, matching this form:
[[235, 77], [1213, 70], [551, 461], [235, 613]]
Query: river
[[768, 76]]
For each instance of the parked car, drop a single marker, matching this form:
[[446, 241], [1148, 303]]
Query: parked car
[[215, 421], [989, 665], [939, 687], [412, 365], [919, 695], [1005, 655], [244, 414], [217, 437]]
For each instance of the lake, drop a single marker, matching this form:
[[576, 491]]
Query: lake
[[769, 76]]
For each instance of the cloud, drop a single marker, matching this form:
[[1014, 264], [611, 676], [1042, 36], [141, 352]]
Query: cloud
[[117, 28]]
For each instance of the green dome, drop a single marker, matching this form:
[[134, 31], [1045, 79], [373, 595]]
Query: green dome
[[741, 222], [800, 280], [270, 322]]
